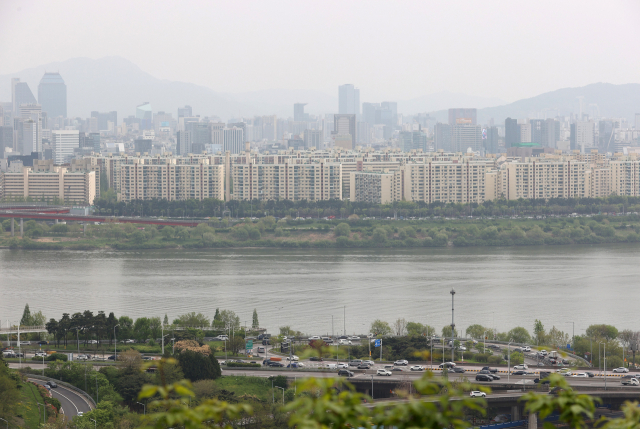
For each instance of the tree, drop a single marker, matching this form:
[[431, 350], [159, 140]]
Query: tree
[[9, 393], [380, 328], [342, 230], [446, 332], [519, 335], [415, 329], [193, 319], [400, 327], [229, 319], [167, 232], [165, 322], [130, 360], [254, 323], [142, 328], [476, 331], [26, 317], [538, 331], [198, 366], [607, 332], [125, 330], [379, 235]]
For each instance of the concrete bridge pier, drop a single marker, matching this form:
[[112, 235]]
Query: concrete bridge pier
[[21, 227], [12, 228], [533, 421], [515, 413]]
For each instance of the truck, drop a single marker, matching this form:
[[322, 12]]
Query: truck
[[553, 354]]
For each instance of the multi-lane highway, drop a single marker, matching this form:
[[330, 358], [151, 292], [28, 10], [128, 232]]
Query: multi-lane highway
[[72, 403]]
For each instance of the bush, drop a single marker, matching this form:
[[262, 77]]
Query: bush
[[482, 357], [243, 365], [240, 234], [495, 360], [56, 356], [342, 230]]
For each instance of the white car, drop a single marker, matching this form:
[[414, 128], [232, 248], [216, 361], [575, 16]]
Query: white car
[[293, 358], [383, 372], [369, 362], [543, 352], [477, 394], [523, 366], [82, 357], [401, 362], [417, 368], [315, 337], [462, 348], [41, 354], [80, 414], [343, 366], [526, 348], [344, 342], [25, 343], [580, 375], [621, 369], [355, 338]]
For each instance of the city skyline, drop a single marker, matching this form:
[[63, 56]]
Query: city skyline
[[555, 55]]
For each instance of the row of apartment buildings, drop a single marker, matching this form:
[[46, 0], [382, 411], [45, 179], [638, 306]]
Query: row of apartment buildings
[[360, 175]]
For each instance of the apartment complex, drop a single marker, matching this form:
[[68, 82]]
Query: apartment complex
[[57, 183]]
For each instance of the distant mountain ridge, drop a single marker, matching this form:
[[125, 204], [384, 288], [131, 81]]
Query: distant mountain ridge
[[114, 83]]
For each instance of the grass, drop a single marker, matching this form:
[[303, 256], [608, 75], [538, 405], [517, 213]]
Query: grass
[[29, 410], [246, 386]]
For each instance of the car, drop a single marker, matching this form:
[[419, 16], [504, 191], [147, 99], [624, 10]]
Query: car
[[383, 372], [543, 352], [343, 337], [354, 338], [447, 365], [501, 418], [275, 364], [41, 354], [355, 362], [363, 365], [580, 375], [25, 343], [80, 414], [397, 368], [266, 342], [401, 362], [477, 394], [293, 358], [296, 365], [621, 369], [51, 384], [313, 338], [462, 348], [342, 365], [519, 372], [484, 377], [316, 359], [224, 362], [631, 381], [522, 366], [130, 341], [43, 343], [369, 362], [590, 374], [495, 376], [344, 342], [345, 373], [459, 370], [526, 349], [557, 390], [417, 368], [82, 357], [493, 370], [112, 357], [92, 342]]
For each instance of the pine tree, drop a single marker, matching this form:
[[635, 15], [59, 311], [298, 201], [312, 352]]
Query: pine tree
[[255, 323], [166, 320], [26, 320], [217, 316]]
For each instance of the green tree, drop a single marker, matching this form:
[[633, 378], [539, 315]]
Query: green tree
[[165, 322], [476, 331], [603, 331], [198, 366], [379, 235], [538, 331], [193, 319], [342, 230], [446, 331], [255, 323], [415, 329], [9, 393], [519, 335], [380, 328], [125, 330], [167, 232], [26, 319]]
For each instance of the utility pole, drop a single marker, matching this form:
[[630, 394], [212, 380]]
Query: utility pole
[[344, 320], [453, 325]]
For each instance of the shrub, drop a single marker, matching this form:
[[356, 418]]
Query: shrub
[[342, 230], [240, 234], [279, 232], [57, 356], [496, 360], [243, 365]]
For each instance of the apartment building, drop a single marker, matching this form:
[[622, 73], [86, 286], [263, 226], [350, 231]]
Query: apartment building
[[76, 187]]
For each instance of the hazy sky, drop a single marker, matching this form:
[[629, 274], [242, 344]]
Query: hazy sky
[[389, 49]]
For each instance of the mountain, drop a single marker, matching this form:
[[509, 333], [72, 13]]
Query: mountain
[[445, 100], [280, 101], [114, 83]]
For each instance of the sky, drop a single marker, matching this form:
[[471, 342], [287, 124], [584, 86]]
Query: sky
[[389, 49]]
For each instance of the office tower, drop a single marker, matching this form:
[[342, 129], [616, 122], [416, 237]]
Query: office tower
[[344, 124], [465, 137], [64, 142], [582, 135], [6, 117], [30, 111], [243, 127], [163, 122], [6, 139], [637, 124], [185, 111], [491, 139], [313, 138], [93, 141], [31, 137], [142, 145], [104, 118], [298, 112], [200, 136], [144, 114], [511, 132], [538, 131], [392, 107], [525, 132], [442, 136], [369, 112], [183, 143], [52, 95], [412, 140], [348, 100], [233, 140], [363, 130], [606, 131], [20, 94], [462, 116]]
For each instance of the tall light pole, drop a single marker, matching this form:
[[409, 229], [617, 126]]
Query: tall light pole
[[95, 424], [573, 336], [5, 422], [509, 359], [453, 325], [282, 388], [604, 345], [115, 342], [144, 409]]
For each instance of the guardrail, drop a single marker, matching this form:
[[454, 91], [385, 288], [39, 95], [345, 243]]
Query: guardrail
[[85, 395], [504, 425]]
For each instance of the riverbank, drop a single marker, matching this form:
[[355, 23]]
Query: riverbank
[[352, 233]]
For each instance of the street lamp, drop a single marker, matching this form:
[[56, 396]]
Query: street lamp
[[509, 359], [573, 336], [115, 342], [95, 424], [282, 388], [604, 345], [453, 325], [145, 407], [5, 422]]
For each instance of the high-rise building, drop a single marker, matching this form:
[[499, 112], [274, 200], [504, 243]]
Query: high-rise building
[[412, 140], [511, 132], [442, 136], [465, 137], [491, 139], [200, 136], [64, 142], [369, 112], [6, 139], [345, 124], [463, 116], [104, 118], [348, 99], [185, 111], [298, 112], [20, 94], [52, 95], [233, 140], [144, 113], [392, 107], [183, 143], [525, 132], [582, 135], [313, 138]]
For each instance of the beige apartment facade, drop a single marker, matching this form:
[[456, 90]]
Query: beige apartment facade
[[59, 183]]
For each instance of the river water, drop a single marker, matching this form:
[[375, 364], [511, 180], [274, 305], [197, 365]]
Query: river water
[[311, 290]]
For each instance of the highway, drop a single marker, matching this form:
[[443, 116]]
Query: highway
[[71, 402]]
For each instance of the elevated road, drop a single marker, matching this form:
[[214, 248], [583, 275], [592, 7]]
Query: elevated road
[[71, 402], [35, 214]]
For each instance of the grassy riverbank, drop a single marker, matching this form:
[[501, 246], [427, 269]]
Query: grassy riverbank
[[348, 233]]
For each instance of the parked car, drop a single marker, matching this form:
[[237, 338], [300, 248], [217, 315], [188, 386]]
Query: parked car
[[51, 384], [293, 358], [345, 373], [484, 377], [621, 369], [384, 372], [477, 394], [522, 366], [401, 362], [417, 368]]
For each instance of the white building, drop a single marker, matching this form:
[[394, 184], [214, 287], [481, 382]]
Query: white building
[[233, 140], [64, 142]]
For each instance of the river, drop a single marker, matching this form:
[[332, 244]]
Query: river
[[310, 290]]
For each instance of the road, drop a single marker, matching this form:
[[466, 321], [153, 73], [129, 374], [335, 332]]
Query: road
[[71, 402]]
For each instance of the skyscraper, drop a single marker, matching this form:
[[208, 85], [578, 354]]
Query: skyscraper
[[233, 140], [465, 137], [52, 95], [20, 94], [345, 125], [369, 112], [298, 112], [184, 111], [144, 113], [442, 136], [511, 132], [104, 118], [462, 116], [313, 138], [348, 99], [64, 142]]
